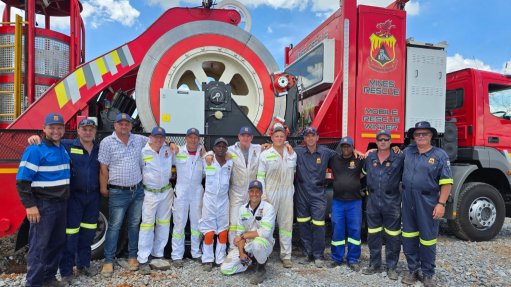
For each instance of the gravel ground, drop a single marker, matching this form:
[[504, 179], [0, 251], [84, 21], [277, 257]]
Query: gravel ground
[[459, 263]]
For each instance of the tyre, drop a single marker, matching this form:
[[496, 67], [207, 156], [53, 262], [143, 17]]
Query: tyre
[[481, 212]]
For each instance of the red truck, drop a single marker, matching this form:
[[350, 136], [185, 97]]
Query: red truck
[[354, 74]]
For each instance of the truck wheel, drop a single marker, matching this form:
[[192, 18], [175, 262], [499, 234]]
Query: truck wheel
[[481, 212]]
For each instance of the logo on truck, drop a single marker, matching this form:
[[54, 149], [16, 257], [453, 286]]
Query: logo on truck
[[383, 55]]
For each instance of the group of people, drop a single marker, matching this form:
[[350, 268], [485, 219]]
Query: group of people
[[249, 190]]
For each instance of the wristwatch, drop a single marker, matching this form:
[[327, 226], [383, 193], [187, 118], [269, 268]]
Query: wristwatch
[[441, 203]]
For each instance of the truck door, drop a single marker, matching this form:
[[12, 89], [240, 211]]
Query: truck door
[[497, 111]]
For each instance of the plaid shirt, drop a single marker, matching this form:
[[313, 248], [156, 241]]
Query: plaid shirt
[[124, 162]]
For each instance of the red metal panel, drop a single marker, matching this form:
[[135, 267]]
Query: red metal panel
[[381, 74], [12, 211]]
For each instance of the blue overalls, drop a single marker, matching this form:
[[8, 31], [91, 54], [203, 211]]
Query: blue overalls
[[423, 174], [83, 206], [384, 207], [310, 198]]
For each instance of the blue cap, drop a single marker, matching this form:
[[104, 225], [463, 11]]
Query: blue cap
[[158, 131], [245, 131], [310, 130], [123, 117], [221, 140], [424, 125], [347, 140], [255, 183], [383, 132], [87, 122], [53, 119], [192, 131]]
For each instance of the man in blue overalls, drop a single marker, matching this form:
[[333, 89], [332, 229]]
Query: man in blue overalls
[[383, 171], [427, 182], [310, 196]]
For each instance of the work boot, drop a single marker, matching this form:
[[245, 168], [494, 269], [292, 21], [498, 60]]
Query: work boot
[[133, 264], [260, 274], [355, 267], [178, 263], [144, 269], [107, 270], [305, 260], [68, 280], [287, 263], [370, 270], [410, 278], [55, 283], [428, 281], [334, 264], [86, 271], [319, 263], [392, 274], [207, 266]]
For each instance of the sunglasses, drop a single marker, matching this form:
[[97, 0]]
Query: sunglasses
[[383, 139], [425, 134], [87, 122]]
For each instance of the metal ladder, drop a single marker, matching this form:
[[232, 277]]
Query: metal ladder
[[16, 93]]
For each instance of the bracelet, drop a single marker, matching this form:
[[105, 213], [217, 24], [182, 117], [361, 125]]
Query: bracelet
[[441, 203]]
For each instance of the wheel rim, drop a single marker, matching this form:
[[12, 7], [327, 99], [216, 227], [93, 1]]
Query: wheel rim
[[482, 213], [100, 236]]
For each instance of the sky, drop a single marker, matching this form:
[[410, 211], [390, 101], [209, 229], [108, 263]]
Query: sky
[[475, 30]]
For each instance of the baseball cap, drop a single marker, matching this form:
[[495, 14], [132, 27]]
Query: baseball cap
[[87, 122], [383, 132], [123, 117], [310, 130], [221, 140], [192, 131], [347, 140], [278, 127], [255, 183], [53, 119], [158, 131], [245, 131]]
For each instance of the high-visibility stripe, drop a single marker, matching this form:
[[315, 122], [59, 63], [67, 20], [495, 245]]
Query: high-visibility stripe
[[80, 78], [303, 219], [266, 225], [146, 226], [29, 165], [237, 228], [50, 168], [446, 181], [261, 175], [61, 94], [354, 241], [428, 242], [196, 233], [157, 190], [70, 231], [178, 235], [163, 221], [285, 233], [148, 158], [393, 232], [318, 222], [374, 230], [76, 150], [337, 243], [89, 225], [246, 214], [101, 66], [209, 168], [364, 171], [233, 156], [181, 156], [50, 183], [262, 241], [115, 57], [410, 234], [229, 271], [271, 156]]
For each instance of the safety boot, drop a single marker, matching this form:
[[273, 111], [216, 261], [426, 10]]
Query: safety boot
[[428, 281], [107, 270], [410, 278], [287, 263], [370, 270], [207, 266], [260, 274], [178, 263], [392, 274], [133, 264], [55, 283], [354, 267], [319, 263]]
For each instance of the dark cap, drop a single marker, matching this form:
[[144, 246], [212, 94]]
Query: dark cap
[[383, 132], [192, 131], [310, 130], [87, 122], [245, 131], [347, 140], [123, 117], [257, 184], [278, 127], [221, 140], [158, 131], [53, 119], [424, 125]]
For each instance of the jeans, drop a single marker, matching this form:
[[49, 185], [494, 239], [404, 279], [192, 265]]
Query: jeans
[[346, 213], [119, 202]]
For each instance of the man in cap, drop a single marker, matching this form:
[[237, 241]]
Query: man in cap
[[276, 171], [42, 182], [427, 182], [188, 200], [158, 196], [84, 200], [383, 170], [310, 196], [346, 205], [254, 236], [215, 206], [121, 165]]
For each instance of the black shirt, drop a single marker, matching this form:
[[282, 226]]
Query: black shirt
[[346, 172]]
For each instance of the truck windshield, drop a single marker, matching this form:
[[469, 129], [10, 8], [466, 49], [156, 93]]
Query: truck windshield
[[500, 100]]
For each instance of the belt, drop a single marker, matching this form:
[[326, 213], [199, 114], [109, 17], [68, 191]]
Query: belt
[[133, 187], [158, 190]]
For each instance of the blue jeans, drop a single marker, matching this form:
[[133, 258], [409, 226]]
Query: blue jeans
[[346, 213], [119, 202]]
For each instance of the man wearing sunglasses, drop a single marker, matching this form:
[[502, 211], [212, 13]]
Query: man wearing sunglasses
[[427, 182], [383, 169]]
